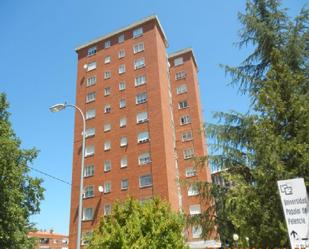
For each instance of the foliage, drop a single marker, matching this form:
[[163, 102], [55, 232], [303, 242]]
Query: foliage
[[20, 194], [271, 141], [135, 225], [207, 218]]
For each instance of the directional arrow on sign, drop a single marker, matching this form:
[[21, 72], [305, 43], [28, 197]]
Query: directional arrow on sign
[[293, 233]]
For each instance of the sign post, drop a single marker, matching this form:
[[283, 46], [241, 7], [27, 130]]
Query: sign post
[[295, 205]]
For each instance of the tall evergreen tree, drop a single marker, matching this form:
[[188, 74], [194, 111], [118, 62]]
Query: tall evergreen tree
[[20, 194], [271, 141]]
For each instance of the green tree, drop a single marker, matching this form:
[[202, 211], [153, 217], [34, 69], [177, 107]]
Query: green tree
[[20, 194], [271, 141], [135, 225]]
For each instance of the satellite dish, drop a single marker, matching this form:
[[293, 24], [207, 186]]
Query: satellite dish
[[85, 66], [101, 189]]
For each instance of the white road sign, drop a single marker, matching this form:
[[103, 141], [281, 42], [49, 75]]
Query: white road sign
[[295, 205]]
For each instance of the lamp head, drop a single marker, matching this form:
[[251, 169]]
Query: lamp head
[[101, 189], [235, 236], [57, 107]]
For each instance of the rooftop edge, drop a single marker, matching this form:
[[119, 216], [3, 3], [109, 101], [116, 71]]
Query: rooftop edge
[[183, 51], [146, 19]]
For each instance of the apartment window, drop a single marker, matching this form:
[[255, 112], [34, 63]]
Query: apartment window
[[143, 137], [140, 80], [90, 132], [107, 187], [123, 122], [121, 53], [182, 104], [92, 51], [188, 153], [144, 158], [123, 162], [107, 44], [122, 69], [195, 209], [89, 150], [141, 98], [90, 97], [196, 232], [88, 192], [178, 61], [139, 63], [90, 114], [107, 127], [87, 214], [137, 32], [91, 66], [107, 209], [141, 117], [44, 241], [86, 236], [180, 75], [181, 89], [122, 86], [107, 145], [124, 184], [91, 81], [185, 120], [139, 47], [121, 38], [145, 181], [122, 103], [186, 136], [123, 141], [193, 190], [107, 108], [89, 170], [191, 171], [107, 59], [107, 165], [107, 91], [107, 75]]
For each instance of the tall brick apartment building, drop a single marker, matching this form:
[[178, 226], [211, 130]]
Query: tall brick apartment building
[[143, 124]]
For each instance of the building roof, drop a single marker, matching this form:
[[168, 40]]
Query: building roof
[[183, 51], [46, 234], [146, 19]]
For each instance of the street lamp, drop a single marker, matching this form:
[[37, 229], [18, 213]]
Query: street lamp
[[236, 238], [247, 239], [57, 108], [101, 189]]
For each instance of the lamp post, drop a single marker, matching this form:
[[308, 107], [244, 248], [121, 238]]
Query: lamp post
[[57, 108], [248, 241]]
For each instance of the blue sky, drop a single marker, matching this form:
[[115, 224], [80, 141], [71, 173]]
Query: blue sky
[[38, 69]]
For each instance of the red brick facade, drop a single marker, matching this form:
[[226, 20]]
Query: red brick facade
[[122, 155], [50, 240]]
